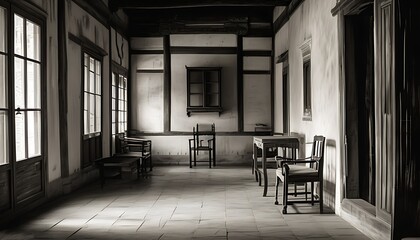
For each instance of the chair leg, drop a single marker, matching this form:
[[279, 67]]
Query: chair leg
[[312, 193], [277, 190], [190, 159], [256, 175], [195, 157], [259, 178], [209, 159], [306, 192], [285, 193], [321, 197]]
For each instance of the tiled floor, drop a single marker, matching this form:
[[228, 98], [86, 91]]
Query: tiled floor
[[177, 202]]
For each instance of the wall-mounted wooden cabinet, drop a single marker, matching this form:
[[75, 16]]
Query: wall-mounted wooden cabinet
[[203, 89]]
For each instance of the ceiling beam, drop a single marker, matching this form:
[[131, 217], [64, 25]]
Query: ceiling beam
[[165, 4]]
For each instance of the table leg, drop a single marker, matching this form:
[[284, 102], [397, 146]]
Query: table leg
[[254, 161], [264, 167]]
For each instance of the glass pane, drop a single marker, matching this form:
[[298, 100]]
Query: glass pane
[[114, 113], [91, 82], [113, 129], [3, 82], [91, 64], [196, 100], [113, 104], [19, 83], [91, 113], [33, 39], [98, 114], [34, 85], [3, 35], [19, 40], [86, 113], [34, 133], [20, 136], [113, 79], [86, 60], [114, 92], [98, 84], [86, 79], [4, 148]]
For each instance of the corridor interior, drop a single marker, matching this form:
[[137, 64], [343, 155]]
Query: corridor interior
[[177, 202]]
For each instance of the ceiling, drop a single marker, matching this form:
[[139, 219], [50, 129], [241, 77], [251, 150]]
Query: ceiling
[[158, 17]]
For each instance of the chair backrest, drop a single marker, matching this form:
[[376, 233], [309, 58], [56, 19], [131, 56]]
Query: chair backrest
[[203, 131], [317, 153]]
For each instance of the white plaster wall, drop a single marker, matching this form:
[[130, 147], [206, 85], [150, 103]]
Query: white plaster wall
[[74, 103], [313, 19], [229, 149], [119, 48], [147, 62], [257, 63], [257, 101], [256, 43], [228, 120], [204, 40], [147, 102], [278, 98], [147, 43]]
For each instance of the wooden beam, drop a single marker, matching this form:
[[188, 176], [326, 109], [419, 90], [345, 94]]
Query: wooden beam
[[240, 83], [166, 84], [161, 4], [62, 87]]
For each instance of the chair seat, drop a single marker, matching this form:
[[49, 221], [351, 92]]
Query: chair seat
[[271, 159], [297, 171]]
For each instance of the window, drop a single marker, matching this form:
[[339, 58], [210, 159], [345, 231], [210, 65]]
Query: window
[[203, 89], [307, 89], [27, 88], [92, 96], [119, 106], [4, 157], [306, 57]]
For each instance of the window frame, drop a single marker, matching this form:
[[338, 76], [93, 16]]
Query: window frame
[[7, 97], [99, 58], [118, 71], [307, 90]]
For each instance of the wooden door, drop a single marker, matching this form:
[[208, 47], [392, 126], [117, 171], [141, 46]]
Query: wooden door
[[384, 109]]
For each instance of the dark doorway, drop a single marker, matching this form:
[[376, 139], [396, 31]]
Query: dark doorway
[[360, 123]]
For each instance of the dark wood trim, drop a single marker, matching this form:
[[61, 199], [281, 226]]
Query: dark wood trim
[[283, 57], [62, 87], [150, 4], [31, 7], [99, 11], [256, 53], [256, 72], [116, 67], [203, 50], [262, 133], [134, 52], [272, 82], [88, 44], [166, 84], [240, 83], [285, 15], [349, 6], [113, 66], [150, 71], [129, 87]]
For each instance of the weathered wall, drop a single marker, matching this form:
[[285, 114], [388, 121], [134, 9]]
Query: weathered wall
[[313, 19], [147, 71], [228, 119]]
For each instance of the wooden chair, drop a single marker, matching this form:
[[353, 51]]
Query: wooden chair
[[201, 133], [137, 147], [306, 170], [271, 162]]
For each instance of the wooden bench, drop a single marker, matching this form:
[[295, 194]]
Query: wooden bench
[[112, 167], [137, 147]]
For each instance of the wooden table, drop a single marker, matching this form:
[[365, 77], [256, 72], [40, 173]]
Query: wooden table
[[264, 142]]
